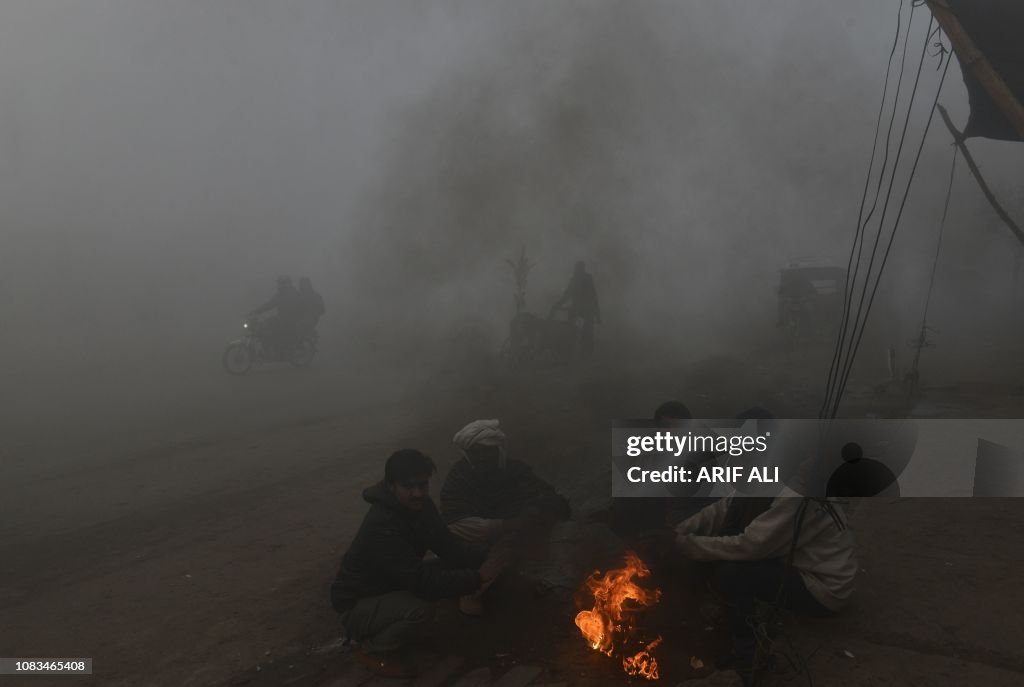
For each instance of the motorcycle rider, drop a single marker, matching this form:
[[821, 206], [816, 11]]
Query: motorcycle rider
[[312, 306], [283, 326]]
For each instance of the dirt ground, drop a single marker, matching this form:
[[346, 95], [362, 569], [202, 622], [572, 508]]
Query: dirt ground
[[185, 531]]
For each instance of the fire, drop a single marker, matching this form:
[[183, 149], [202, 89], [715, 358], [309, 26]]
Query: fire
[[596, 630], [643, 663], [608, 625]]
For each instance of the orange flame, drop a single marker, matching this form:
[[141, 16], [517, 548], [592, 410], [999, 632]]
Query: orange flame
[[643, 663], [609, 622]]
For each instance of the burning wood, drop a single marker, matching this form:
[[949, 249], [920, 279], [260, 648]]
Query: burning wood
[[643, 663], [609, 625]]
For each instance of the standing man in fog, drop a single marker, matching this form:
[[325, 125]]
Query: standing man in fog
[[582, 298]]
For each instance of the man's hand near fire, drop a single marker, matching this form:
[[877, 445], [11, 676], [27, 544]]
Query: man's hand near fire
[[684, 533], [499, 558], [687, 527]]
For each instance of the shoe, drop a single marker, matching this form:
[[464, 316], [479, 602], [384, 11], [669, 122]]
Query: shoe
[[471, 606], [387, 665]]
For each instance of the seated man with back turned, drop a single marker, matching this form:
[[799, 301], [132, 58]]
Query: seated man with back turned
[[384, 588], [495, 503], [758, 557]]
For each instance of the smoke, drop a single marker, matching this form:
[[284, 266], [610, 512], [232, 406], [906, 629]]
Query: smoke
[[167, 160], [663, 144]]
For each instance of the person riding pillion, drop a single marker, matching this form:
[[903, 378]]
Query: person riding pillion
[[312, 306]]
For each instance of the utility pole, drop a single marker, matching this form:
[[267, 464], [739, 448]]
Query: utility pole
[[972, 58]]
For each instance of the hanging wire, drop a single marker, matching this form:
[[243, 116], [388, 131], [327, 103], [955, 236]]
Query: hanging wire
[[847, 337], [939, 45], [761, 626], [860, 317], [942, 227], [850, 267], [931, 282], [892, 236]]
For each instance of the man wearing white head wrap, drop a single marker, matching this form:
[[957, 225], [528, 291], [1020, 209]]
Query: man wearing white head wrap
[[493, 502], [480, 433]]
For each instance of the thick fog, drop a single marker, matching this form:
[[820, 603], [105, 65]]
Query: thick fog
[[165, 161]]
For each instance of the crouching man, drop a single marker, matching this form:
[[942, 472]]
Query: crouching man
[[496, 504], [384, 589], [758, 558]]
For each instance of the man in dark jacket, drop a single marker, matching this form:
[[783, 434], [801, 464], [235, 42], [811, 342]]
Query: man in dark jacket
[[384, 588], [494, 503], [582, 298]]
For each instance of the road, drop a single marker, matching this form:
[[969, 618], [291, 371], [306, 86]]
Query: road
[[183, 527]]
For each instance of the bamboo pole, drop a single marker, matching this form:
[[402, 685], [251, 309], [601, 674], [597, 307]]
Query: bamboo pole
[[958, 139], [972, 58]]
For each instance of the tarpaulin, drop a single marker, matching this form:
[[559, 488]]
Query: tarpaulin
[[997, 29]]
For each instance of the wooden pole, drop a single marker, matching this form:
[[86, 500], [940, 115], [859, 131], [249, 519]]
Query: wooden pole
[[958, 139], [972, 58]]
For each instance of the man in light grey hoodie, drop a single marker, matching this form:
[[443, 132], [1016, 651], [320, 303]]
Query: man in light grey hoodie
[[751, 541]]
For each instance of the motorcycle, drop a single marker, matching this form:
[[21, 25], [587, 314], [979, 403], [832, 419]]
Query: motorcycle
[[256, 347]]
